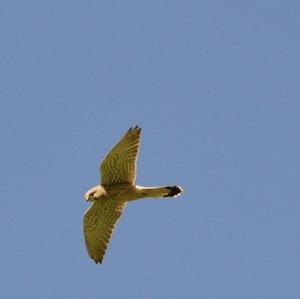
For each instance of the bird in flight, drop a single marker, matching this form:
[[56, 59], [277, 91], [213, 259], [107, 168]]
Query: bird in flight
[[118, 173]]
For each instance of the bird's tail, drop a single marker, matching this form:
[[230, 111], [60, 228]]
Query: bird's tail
[[164, 191]]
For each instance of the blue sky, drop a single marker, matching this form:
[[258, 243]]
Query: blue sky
[[215, 87]]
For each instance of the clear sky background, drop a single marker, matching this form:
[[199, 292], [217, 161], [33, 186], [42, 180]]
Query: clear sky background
[[215, 87]]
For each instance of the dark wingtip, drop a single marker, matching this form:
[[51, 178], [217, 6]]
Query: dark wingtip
[[131, 129], [98, 261], [174, 191]]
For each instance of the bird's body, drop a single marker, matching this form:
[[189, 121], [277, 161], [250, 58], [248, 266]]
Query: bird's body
[[118, 170], [127, 192]]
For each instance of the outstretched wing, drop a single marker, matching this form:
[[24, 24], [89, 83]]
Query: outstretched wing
[[119, 166], [98, 224]]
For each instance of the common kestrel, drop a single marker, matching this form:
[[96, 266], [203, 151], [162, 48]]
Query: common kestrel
[[118, 172]]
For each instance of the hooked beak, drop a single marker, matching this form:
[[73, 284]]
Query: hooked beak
[[87, 196]]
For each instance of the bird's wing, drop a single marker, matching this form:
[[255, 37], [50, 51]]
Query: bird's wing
[[119, 166], [98, 224]]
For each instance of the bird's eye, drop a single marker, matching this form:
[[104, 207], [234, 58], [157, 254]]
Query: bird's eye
[[91, 195]]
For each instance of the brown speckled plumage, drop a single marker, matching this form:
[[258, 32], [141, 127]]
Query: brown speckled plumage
[[118, 173]]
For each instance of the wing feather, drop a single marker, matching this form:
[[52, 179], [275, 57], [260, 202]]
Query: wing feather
[[119, 165], [99, 222]]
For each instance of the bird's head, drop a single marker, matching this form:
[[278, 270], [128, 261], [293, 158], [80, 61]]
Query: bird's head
[[95, 193]]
